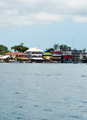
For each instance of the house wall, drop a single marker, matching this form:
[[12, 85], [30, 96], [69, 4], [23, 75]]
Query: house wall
[[47, 54], [77, 55], [34, 54]]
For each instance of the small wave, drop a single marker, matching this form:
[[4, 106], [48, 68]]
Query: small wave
[[66, 99], [17, 93], [48, 110], [37, 74], [84, 76], [43, 119], [19, 106], [48, 74], [3, 81], [59, 74], [13, 113], [75, 117], [35, 106], [20, 118], [84, 101], [80, 106]]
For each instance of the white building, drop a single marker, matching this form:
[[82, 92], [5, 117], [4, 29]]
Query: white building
[[3, 58], [35, 54]]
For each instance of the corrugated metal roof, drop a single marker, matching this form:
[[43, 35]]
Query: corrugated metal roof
[[34, 50], [15, 53]]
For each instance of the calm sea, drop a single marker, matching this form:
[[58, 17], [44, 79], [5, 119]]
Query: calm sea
[[43, 91]]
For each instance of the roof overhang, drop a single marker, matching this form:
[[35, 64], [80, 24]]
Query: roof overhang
[[37, 58]]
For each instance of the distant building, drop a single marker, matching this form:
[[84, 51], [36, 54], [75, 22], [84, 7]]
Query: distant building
[[84, 56], [17, 56], [62, 56], [35, 54], [56, 56], [4, 58], [47, 56], [67, 56], [77, 55]]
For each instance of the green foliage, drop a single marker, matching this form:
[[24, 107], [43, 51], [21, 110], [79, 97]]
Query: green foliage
[[84, 50], [20, 48], [56, 46], [61, 47], [64, 47], [3, 49], [51, 49], [75, 49]]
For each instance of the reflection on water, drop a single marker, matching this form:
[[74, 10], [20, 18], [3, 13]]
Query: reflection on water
[[43, 91]]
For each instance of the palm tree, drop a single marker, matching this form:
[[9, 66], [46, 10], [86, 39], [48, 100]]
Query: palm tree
[[84, 50], [56, 46], [65, 47], [69, 48]]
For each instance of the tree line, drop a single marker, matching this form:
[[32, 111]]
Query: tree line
[[22, 48], [60, 47], [16, 48]]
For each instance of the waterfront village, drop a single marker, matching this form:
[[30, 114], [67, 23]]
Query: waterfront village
[[36, 55]]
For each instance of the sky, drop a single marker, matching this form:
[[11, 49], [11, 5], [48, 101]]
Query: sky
[[43, 23]]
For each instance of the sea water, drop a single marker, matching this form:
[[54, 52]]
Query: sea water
[[43, 91]]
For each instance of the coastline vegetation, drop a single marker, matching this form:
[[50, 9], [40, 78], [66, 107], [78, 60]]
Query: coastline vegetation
[[60, 47], [3, 49], [22, 48]]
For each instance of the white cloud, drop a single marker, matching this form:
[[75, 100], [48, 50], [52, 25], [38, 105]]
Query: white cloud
[[80, 19], [46, 17], [28, 12]]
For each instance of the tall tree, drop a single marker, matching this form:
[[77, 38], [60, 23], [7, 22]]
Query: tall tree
[[3, 49], [64, 47], [56, 46], [15, 48], [69, 48], [20, 48], [84, 50]]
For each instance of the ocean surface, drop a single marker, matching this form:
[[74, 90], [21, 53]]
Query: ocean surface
[[34, 91]]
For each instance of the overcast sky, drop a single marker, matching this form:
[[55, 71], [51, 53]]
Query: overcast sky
[[41, 23]]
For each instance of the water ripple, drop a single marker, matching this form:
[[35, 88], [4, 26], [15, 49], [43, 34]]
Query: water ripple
[[48, 110], [84, 76], [20, 118], [35, 106], [17, 93], [75, 117], [84, 101]]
